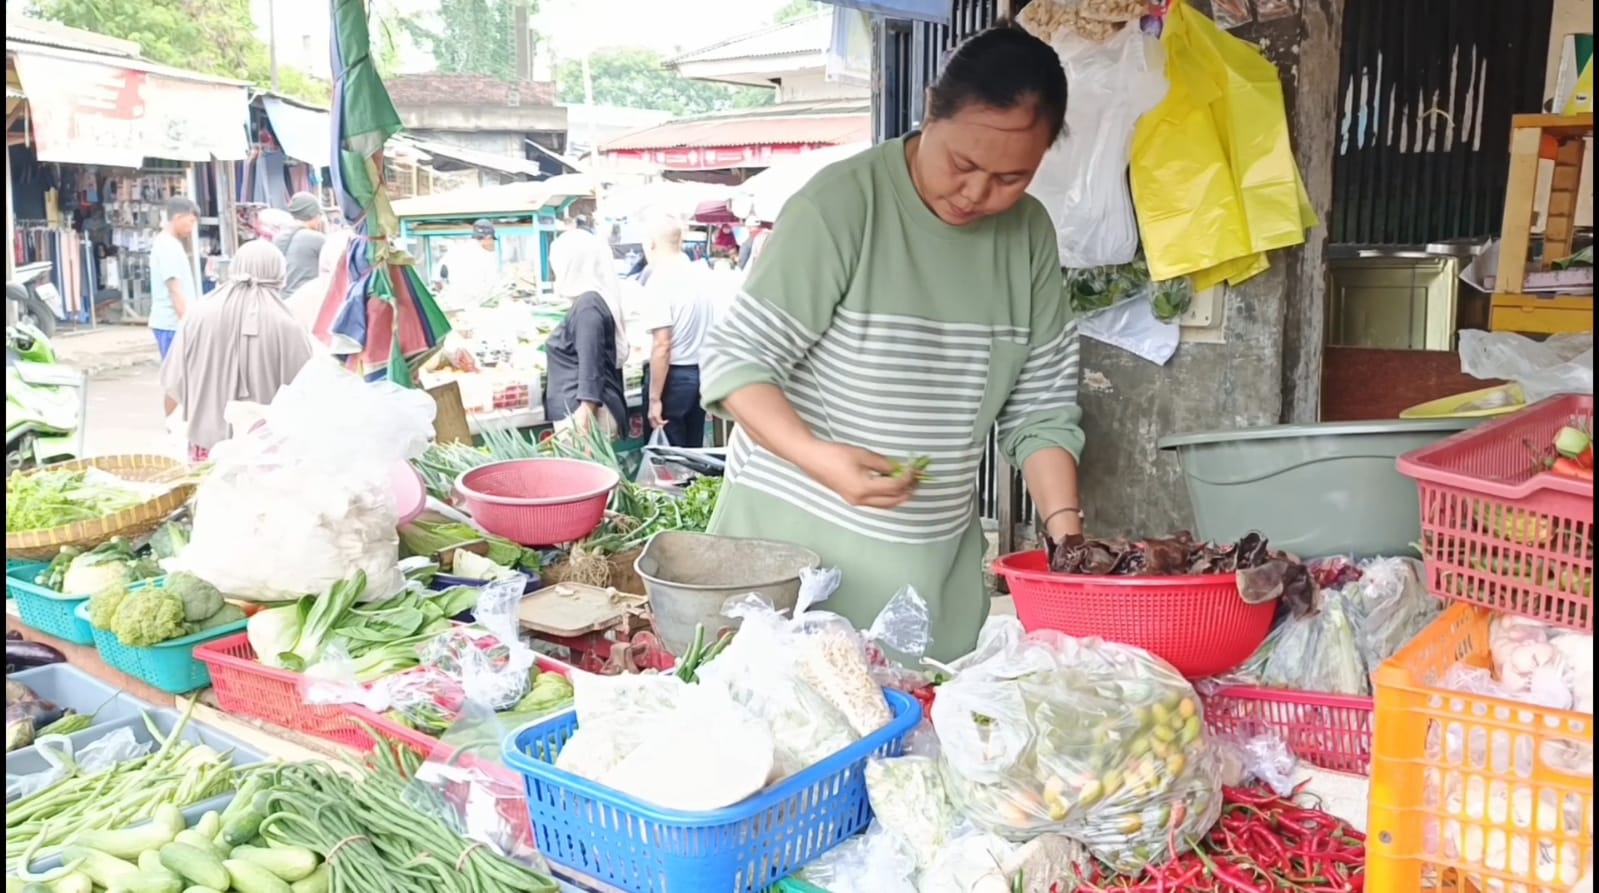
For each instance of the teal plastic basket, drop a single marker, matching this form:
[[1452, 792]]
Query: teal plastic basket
[[46, 610], [169, 666]]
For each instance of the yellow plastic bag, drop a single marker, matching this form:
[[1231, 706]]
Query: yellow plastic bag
[[1212, 169]]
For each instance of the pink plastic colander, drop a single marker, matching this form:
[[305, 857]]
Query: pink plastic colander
[[538, 502]]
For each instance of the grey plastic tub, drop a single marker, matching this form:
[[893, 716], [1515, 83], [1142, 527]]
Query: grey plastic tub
[[73, 689], [28, 759], [1313, 490], [688, 576]]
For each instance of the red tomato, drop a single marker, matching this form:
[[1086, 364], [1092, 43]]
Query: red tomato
[[1569, 468]]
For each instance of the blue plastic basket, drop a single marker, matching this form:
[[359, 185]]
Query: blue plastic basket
[[745, 848], [46, 610], [169, 666]]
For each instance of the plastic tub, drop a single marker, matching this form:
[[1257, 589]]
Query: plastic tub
[[68, 687], [745, 848], [1313, 490], [1200, 625], [169, 666], [46, 610], [689, 576], [538, 502]]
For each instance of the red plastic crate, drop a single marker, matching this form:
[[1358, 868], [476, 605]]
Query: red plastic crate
[[1499, 533], [1332, 732]]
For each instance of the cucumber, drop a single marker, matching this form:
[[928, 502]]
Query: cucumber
[[201, 842], [171, 818], [320, 881], [289, 863], [249, 877], [195, 865], [152, 870], [103, 869], [199, 889], [35, 887], [127, 843], [141, 882], [243, 827], [72, 882], [209, 824]]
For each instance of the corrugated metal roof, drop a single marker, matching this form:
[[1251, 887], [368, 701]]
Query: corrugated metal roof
[[53, 34], [832, 123], [27, 48], [805, 36]]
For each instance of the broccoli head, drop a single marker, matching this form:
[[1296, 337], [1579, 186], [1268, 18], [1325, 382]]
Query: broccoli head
[[225, 615], [103, 606], [200, 599], [149, 617]]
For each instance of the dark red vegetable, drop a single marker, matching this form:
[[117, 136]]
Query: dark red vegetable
[[23, 655]]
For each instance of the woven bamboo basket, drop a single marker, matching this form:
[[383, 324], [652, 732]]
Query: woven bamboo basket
[[131, 523]]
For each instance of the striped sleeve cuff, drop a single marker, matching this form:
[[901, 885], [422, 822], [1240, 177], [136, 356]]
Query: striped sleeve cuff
[[753, 343], [1042, 410]]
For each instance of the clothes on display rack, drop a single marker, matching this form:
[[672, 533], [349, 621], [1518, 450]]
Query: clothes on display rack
[[268, 177]]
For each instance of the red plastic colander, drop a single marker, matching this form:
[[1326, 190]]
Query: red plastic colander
[[538, 502], [1199, 625]]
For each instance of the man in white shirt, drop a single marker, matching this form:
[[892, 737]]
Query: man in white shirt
[[679, 308], [471, 270], [173, 288]]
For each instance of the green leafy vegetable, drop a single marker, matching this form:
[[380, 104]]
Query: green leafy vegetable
[[45, 499]]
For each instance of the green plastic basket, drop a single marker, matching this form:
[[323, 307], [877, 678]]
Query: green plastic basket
[[795, 885], [46, 610], [169, 666]]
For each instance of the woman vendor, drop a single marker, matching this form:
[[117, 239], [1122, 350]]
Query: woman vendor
[[908, 301]]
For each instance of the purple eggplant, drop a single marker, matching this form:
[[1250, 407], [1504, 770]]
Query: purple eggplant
[[22, 655]]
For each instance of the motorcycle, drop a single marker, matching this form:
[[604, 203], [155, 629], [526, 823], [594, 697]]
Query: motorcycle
[[35, 297], [46, 402]]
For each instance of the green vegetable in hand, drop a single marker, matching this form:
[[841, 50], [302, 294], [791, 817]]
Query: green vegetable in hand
[[200, 599], [149, 617]]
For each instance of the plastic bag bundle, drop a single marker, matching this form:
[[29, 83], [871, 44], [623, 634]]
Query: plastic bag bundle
[[1100, 742], [311, 477], [1082, 181], [1562, 364]]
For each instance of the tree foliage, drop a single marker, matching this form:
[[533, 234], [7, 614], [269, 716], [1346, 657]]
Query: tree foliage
[[634, 77], [472, 36], [208, 36]]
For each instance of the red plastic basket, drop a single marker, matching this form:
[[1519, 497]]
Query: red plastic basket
[[1498, 532], [1329, 731], [1199, 625], [538, 502]]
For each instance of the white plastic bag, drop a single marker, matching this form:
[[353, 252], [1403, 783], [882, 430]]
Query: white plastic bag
[[1562, 364], [1083, 179], [651, 471], [311, 481]]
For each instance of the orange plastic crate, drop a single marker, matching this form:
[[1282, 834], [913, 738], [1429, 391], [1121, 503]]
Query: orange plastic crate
[[1471, 793]]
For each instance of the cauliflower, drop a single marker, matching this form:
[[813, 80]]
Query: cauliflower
[[149, 617], [103, 606], [102, 568], [200, 599]]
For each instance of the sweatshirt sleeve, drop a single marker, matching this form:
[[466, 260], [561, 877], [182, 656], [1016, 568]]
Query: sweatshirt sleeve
[[590, 330], [785, 306], [1042, 409]]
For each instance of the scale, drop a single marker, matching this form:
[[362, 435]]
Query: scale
[[589, 622]]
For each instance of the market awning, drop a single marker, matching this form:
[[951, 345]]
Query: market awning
[[922, 10], [510, 198], [747, 140], [305, 134], [90, 110]]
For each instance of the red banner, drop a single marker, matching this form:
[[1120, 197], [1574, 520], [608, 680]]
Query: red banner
[[88, 113], [714, 158]]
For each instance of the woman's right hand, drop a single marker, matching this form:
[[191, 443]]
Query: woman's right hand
[[859, 476]]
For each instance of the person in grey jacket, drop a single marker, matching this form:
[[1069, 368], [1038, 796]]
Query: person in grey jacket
[[301, 243]]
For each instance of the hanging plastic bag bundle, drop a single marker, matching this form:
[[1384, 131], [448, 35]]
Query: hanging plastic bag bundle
[[310, 477]]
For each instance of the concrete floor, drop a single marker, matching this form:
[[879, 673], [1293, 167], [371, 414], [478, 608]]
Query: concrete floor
[[125, 414]]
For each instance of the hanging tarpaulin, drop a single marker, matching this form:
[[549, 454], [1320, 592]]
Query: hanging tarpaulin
[[382, 304]]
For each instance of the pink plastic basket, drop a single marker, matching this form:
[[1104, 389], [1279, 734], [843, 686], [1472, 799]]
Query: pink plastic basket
[[1199, 625], [1329, 731], [1498, 532], [538, 502]]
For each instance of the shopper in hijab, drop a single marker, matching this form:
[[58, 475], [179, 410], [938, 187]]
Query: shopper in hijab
[[583, 356], [301, 243], [592, 266], [305, 303], [241, 343]]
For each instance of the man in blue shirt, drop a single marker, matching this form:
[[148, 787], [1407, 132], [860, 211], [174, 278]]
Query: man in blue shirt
[[172, 282]]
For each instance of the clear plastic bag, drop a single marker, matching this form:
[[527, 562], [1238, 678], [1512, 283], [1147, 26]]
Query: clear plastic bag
[[759, 671], [653, 473], [876, 861], [1097, 741], [1082, 181], [1266, 757], [314, 481], [96, 757], [909, 798], [491, 671], [1561, 364]]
